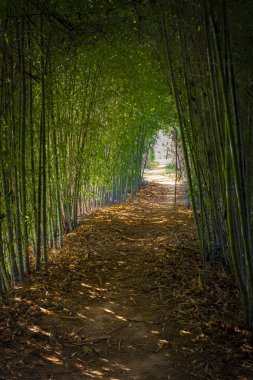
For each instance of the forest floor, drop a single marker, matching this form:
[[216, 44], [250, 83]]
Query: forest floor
[[126, 298]]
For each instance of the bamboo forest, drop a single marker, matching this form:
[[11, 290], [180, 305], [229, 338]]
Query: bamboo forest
[[126, 189]]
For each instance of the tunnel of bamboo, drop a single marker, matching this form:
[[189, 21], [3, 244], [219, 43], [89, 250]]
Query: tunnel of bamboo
[[85, 88]]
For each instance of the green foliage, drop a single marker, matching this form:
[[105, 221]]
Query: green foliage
[[206, 53], [82, 105], [170, 168]]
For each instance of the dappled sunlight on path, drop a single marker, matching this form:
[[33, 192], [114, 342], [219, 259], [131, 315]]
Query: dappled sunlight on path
[[158, 174], [127, 298]]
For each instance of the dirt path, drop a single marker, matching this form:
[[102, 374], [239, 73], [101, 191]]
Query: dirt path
[[127, 298]]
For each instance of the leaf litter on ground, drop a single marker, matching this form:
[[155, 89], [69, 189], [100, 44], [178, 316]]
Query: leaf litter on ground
[[127, 297]]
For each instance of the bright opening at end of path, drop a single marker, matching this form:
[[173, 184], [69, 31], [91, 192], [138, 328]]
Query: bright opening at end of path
[[163, 156]]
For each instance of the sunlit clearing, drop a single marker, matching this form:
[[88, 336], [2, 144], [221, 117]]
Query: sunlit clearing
[[53, 359], [159, 179], [37, 329], [18, 299]]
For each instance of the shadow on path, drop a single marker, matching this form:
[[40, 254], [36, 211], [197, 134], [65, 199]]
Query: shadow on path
[[127, 298]]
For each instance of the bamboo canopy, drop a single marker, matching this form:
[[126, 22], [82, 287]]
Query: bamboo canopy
[[85, 87]]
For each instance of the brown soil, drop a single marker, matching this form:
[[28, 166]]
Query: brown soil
[[127, 298]]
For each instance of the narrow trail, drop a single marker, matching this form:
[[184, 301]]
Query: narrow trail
[[127, 298]]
